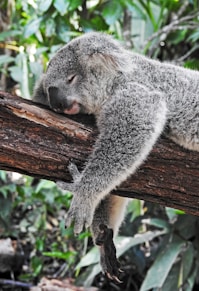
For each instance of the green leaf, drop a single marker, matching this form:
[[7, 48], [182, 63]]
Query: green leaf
[[62, 6], [135, 207], [123, 244], [8, 34], [20, 73], [16, 73], [112, 11], [178, 36], [32, 27], [40, 243], [50, 27], [171, 213], [191, 280], [96, 23], [172, 280], [60, 255], [6, 189], [74, 4], [3, 176], [90, 258], [44, 184], [43, 5], [5, 59], [5, 203], [157, 222], [159, 271], [187, 261], [36, 68], [178, 275], [91, 275], [36, 264], [192, 64], [63, 30], [194, 36], [184, 223], [133, 7]]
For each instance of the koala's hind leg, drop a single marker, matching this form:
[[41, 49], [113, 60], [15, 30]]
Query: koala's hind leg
[[106, 222]]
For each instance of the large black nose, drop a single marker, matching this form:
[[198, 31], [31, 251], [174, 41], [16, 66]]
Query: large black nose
[[56, 98]]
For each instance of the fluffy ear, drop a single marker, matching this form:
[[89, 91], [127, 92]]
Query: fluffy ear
[[110, 62], [39, 94], [99, 49], [107, 61]]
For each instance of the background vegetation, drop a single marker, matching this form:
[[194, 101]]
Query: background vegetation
[[158, 247]]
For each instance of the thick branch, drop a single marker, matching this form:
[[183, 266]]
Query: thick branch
[[38, 142]]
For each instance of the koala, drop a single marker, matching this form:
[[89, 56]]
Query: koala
[[135, 100]]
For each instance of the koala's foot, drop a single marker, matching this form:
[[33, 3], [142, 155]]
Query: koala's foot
[[108, 260]]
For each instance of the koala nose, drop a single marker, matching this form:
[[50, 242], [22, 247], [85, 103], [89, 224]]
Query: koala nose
[[57, 100]]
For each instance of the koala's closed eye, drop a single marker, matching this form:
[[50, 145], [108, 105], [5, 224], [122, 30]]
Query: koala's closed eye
[[71, 79]]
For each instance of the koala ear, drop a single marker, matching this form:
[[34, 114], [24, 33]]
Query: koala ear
[[109, 62]]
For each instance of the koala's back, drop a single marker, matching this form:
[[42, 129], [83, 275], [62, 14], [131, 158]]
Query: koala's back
[[180, 88]]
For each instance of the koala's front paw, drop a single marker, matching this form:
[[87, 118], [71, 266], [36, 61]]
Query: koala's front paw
[[109, 263], [80, 213]]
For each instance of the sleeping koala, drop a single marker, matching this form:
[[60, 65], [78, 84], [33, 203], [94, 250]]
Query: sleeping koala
[[134, 99]]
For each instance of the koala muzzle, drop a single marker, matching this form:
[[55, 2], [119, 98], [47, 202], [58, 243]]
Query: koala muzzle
[[56, 99], [60, 103]]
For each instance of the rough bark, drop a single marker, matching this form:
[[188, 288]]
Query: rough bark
[[40, 143]]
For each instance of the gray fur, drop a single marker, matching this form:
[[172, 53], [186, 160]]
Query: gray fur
[[134, 99]]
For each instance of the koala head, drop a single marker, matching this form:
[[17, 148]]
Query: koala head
[[80, 75]]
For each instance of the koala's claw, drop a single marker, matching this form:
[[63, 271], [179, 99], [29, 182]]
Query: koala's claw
[[80, 216], [109, 262], [73, 171], [79, 224], [75, 174]]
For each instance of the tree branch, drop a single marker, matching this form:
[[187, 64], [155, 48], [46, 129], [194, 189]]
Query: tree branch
[[177, 23], [40, 143]]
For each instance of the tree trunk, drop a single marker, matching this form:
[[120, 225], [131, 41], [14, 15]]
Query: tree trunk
[[40, 143]]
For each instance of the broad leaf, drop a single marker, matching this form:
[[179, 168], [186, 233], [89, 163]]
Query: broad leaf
[[43, 5], [112, 11], [75, 4], [157, 274], [44, 184], [32, 27], [5, 59], [62, 6]]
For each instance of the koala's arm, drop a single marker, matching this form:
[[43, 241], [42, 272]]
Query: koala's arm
[[129, 127], [39, 95]]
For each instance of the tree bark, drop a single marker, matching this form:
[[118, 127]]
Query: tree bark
[[40, 143]]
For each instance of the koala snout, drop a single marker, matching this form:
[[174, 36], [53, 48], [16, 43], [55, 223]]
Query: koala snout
[[60, 103], [57, 100]]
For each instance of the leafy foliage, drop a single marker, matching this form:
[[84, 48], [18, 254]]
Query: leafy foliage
[[36, 213]]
